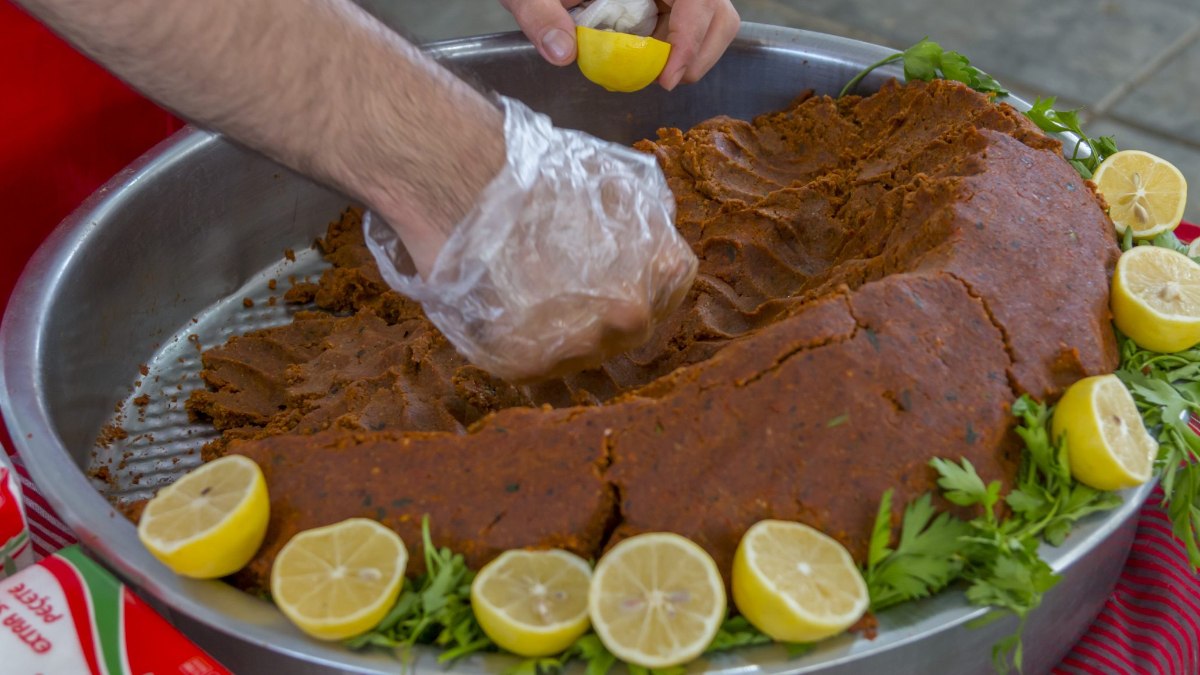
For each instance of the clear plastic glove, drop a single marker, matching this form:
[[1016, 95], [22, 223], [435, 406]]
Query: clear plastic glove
[[624, 16], [568, 258]]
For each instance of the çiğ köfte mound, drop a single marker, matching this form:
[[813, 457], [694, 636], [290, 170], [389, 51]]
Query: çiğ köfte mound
[[879, 278]]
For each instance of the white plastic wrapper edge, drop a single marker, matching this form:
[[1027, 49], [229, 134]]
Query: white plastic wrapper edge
[[569, 257], [638, 17]]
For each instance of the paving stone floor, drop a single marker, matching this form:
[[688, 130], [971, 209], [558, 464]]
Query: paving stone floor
[[1133, 66]]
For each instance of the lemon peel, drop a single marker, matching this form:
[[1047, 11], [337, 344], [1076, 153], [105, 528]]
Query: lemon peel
[[209, 523], [619, 62]]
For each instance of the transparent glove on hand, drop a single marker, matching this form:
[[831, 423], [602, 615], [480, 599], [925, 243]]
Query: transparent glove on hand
[[568, 258], [638, 17]]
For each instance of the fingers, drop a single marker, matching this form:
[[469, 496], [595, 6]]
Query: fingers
[[699, 31], [548, 26]]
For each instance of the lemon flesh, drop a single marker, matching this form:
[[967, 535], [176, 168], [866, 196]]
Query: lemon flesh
[[211, 522], [1156, 298], [533, 603], [657, 600], [1108, 446], [795, 583], [1144, 192], [340, 580], [619, 61]]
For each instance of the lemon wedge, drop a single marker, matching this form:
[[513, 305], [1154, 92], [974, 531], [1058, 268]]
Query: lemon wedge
[[533, 603], [657, 600], [795, 583], [211, 522], [1107, 444], [1144, 192], [1156, 298], [619, 61], [340, 580]]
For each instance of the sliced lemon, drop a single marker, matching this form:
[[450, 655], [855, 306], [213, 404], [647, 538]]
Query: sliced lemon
[[1156, 298], [340, 580], [1107, 444], [533, 603], [795, 583], [657, 600], [1144, 192], [619, 61], [211, 522]]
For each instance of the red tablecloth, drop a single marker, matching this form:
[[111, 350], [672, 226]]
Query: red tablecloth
[[66, 127]]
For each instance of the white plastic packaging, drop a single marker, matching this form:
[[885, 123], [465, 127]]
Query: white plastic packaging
[[624, 16], [569, 257]]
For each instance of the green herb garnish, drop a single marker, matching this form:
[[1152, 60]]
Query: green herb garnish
[[1003, 569], [927, 60], [433, 608], [1047, 500], [924, 561], [997, 558], [1166, 388], [1054, 121]]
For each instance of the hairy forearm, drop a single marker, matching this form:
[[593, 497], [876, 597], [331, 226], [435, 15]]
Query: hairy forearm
[[318, 85]]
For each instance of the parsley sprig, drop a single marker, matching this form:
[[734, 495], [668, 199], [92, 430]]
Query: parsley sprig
[[1054, 121], [1166, 388], [926, 60], [433, 608], [1047, 500], [1002, 568], [997, 558], [924, 561]]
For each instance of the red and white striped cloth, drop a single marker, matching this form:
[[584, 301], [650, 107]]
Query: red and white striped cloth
[[1151, 623]]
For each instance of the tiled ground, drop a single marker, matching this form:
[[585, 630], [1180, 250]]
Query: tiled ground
[[1132, 65]]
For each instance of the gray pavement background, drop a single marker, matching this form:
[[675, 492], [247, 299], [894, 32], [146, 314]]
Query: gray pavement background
[[1133, 66]]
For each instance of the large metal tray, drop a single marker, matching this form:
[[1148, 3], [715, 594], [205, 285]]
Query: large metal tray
[[158, 262]]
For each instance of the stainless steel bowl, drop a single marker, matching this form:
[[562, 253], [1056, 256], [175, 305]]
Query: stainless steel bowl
[[170, 246]]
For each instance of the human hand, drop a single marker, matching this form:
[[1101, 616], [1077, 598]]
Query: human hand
[[569, 256], [699, 32]]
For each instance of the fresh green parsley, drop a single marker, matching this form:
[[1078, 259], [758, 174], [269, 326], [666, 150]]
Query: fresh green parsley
[[997, 558], [924, 561], [1047, 500], [1003, 570], [433, 608], [1054, 121], [1166, 388], [926, 61]]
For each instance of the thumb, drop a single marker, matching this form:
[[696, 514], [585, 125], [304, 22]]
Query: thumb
[[548, 26]]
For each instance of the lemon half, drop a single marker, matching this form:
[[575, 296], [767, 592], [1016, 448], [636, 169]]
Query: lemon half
[[1156, 298], [1107, 443], [340, 580], [211, 522], [619, 61], [657, 600], [795, 583], [533, 603], [1144, 192]]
